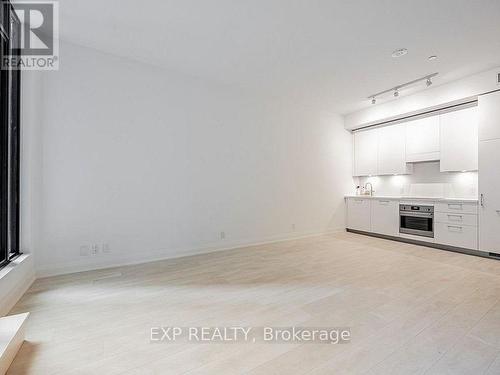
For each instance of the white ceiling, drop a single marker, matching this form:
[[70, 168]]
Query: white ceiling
[[328, 52]]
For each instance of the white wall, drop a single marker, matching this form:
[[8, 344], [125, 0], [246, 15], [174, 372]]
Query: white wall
[[429, 180], [157, 165]]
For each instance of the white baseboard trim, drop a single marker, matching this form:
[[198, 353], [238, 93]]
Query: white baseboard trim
[[154, 256]]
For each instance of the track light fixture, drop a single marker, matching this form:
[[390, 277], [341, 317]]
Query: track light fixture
[[395, 89]]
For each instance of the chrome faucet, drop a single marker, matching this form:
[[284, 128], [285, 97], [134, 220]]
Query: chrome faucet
[[371, 188]]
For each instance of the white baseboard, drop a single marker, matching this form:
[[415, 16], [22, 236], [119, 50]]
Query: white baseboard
[[152, 256]]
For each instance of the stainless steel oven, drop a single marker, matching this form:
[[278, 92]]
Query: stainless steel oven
[[417, 220]]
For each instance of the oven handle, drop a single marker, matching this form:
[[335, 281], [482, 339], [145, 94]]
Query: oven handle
[[417, 214]]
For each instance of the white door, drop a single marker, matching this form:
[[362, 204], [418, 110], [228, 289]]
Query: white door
[[365, 152], [489, 116], [489, 188], [422, 139], [385, 217], [358, 214], [391, 150], [459, 140]]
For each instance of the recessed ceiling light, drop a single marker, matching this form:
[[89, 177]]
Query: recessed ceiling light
[[400, 52], [433, 57]]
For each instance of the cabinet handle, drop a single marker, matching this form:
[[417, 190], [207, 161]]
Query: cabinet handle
[[482, 200], [455, 206], [384, 202], [458, 229], [460, 217]]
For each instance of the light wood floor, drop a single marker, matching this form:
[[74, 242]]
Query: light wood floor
[[411, 309]]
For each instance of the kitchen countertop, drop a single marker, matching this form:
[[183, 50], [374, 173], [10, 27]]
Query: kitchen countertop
[[408, 198]]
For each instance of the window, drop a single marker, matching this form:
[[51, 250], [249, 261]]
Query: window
[[9, 137]]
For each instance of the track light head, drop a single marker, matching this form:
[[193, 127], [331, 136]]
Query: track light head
[[395, 89]]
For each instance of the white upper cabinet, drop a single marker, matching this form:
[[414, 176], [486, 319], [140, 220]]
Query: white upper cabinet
[[422, 139], [459, 140], [391, 151], [489, 116], [451, 138], [365, 152]]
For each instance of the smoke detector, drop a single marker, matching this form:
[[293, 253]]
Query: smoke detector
[[399, 52]]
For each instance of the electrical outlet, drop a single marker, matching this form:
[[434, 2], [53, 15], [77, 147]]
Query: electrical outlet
[[222, 235], [95, 249], [498, 78], [84, 251], [106, 248]]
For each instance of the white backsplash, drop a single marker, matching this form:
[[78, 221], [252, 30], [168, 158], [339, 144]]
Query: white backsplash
[[426, 181]]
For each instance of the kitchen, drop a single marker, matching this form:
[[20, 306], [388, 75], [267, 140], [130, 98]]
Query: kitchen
[[431, 178], [274, 175]]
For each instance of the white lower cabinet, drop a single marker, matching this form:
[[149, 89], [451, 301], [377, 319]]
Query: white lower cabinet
[[456, 218], [456, 235], [358, 214], [455, 223], [456, 207], [385, 217]]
